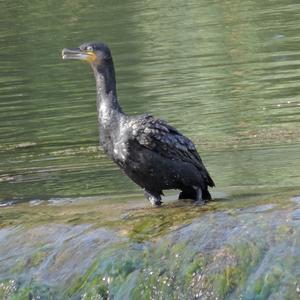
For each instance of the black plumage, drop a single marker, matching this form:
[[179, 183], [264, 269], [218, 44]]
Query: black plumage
[[151, 152]]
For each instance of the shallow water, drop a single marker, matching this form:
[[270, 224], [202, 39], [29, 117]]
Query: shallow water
[[225, 73]]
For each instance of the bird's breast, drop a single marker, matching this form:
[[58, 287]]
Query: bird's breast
[[120, 152]]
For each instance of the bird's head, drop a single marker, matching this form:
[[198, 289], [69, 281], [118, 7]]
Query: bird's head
[[94, 53]]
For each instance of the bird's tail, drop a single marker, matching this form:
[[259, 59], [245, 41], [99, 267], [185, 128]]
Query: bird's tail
[[210, 182], [206, 195]]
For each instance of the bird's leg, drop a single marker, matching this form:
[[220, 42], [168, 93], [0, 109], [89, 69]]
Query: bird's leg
[[155, 200], [194, 193], [199, 200]]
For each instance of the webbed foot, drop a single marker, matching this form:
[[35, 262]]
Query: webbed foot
[[155, 199], [199, 202]]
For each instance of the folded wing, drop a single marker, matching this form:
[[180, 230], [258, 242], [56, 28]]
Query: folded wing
[[158, 136]]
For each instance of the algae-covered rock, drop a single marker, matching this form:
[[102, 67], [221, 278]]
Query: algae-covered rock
[[178, 252]]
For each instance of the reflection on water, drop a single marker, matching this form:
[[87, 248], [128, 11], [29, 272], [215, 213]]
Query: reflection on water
[[224, 73]]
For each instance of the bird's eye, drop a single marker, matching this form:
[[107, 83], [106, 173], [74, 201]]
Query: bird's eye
[[89, 48]]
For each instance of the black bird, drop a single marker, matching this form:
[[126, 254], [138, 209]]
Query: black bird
[[152, 153]]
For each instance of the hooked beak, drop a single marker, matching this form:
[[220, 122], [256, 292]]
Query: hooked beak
[[76, 53]]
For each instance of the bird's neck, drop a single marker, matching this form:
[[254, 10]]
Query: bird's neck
[[107, 102], [110, 114], [106, 85]]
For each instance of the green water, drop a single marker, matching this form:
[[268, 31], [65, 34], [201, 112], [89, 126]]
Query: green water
[[226, 74]]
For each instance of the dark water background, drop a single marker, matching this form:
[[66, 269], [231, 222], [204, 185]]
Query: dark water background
[[225, 73]]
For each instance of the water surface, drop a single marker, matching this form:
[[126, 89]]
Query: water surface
[[226, 74]]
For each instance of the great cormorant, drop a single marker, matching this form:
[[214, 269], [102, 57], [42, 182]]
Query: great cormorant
[[151, 152]]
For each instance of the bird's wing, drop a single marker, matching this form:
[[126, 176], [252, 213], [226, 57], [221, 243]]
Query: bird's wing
[[164, 139]]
